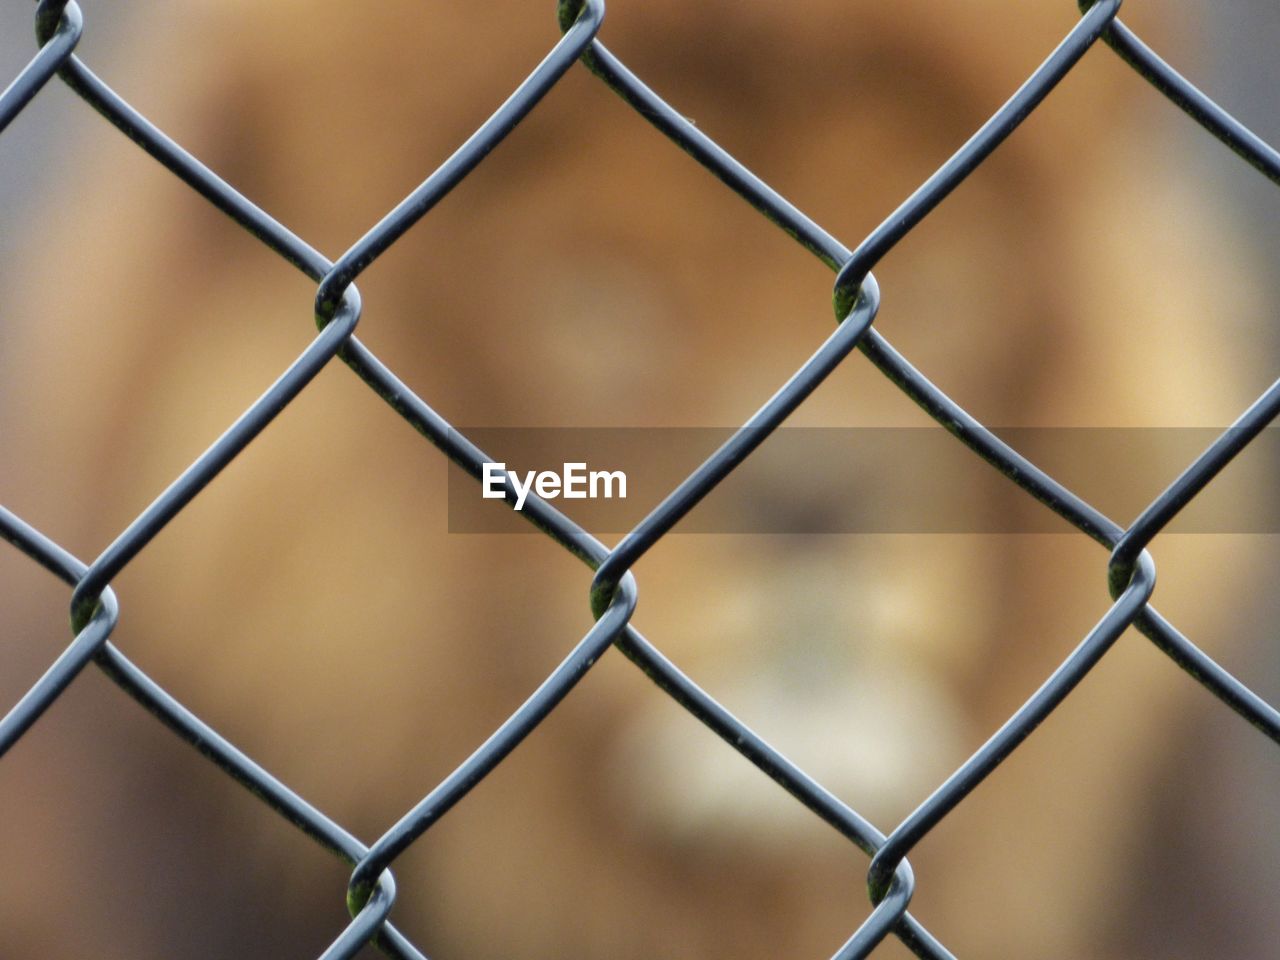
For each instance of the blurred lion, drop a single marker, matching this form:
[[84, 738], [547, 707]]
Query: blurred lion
[[312, 605]]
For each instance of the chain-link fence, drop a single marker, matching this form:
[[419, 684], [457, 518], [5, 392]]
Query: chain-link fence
[[371, 892]]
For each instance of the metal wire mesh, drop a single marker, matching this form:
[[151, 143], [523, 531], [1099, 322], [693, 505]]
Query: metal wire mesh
[[371, 892]]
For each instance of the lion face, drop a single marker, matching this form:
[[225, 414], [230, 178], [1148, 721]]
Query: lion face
[[313, 604]]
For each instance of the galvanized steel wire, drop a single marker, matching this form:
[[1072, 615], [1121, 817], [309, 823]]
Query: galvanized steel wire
[[371, 891]]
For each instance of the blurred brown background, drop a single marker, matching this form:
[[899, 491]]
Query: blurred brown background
[[1107, 267]]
